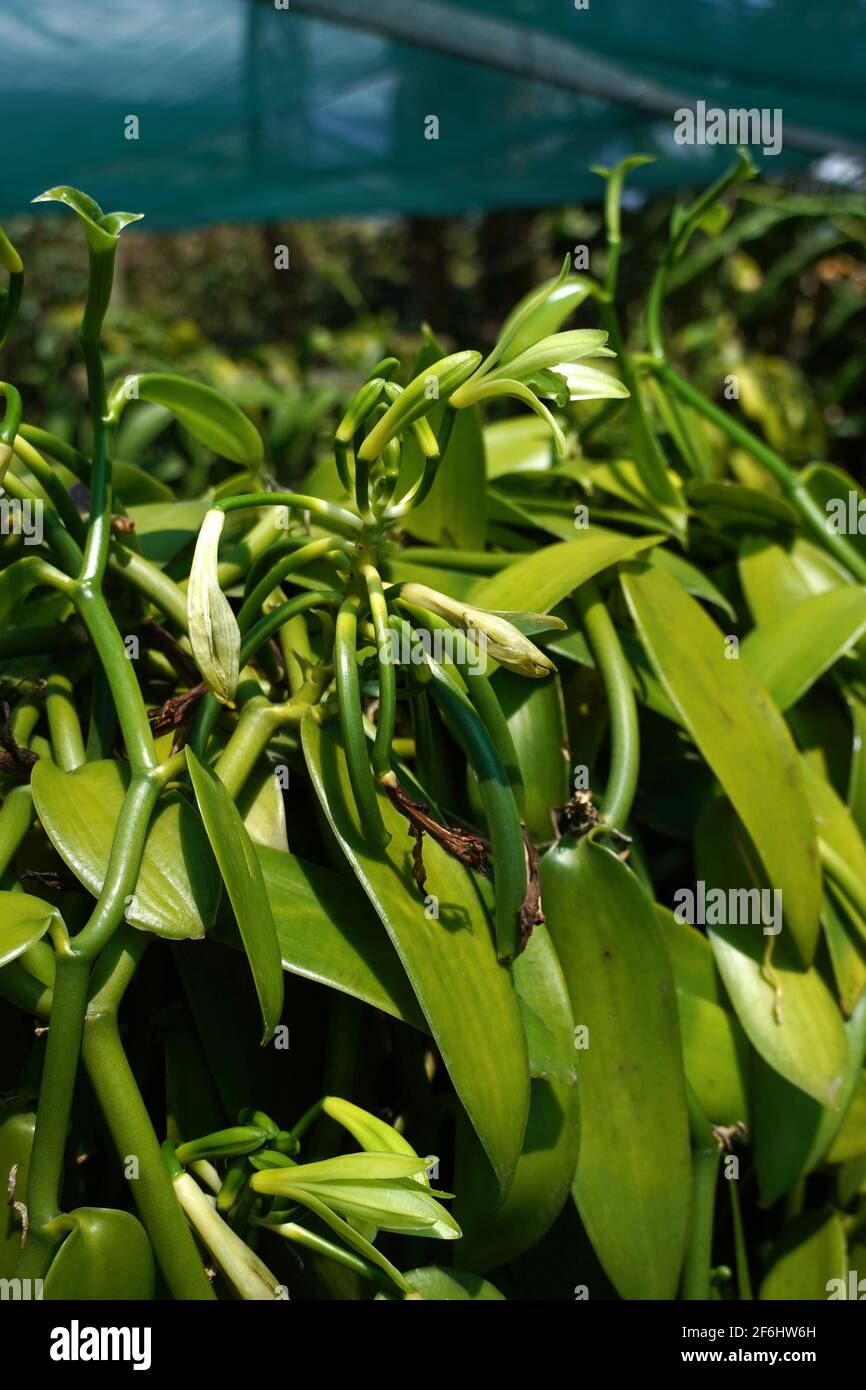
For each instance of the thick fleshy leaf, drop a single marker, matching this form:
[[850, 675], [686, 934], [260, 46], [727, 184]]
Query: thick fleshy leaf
[[209, 416], [810, 1261], [536, 721], [792, 1132], [101, 229], [23, 920], [106, 1255], [716, 1057], [450, 959], [165, 528], [446, 1285], [177, 891], [787, 1012], [740, 734], [633, 1179], [326, 933], [835, 828], [494, 1232], [242, 876], [550, 575], [789, 652], [731, 505]]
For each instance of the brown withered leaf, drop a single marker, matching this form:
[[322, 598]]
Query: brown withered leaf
[[469, 848]]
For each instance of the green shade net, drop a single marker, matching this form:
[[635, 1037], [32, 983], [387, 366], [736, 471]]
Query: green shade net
[[250, 112]]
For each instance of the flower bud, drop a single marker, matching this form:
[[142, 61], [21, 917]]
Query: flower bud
[[422, 394], [504, 642], [213, 627]]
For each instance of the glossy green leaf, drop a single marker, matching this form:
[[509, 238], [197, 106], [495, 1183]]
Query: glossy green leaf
[[769, 578], [326, 933], [446, 1285], [450, 960], [693, 580], [633, 1179], [536, 721], [850, 1140], [740, 734], [808, 1257], [792, 1133], [691, 957], [209, 416], [834, 826], [101, 229], [841, 498], [551, 574], [494, 1232], [789, 652], [23, 920], [520, 444], [787, 1012], [165, 528], [716, 1058], [106, 1256], [17, 1127], [245, 885], [262, 807], [731, 505], [177, 891]]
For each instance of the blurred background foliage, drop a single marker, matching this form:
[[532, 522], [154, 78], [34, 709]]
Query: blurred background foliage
[[775, 298]]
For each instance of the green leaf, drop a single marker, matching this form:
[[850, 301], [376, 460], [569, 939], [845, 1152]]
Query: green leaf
[[245, 884], [740, 734], [106, 1255], [163, 529], [835, 827], [716, 1057], [495, 1232], [550, 575], [177, 893], [327, 934], [790, 651], [23, 920], [446, 1285], [809, 1256], [769, 578], [209, 416], [787, 1012], [633, 1180], [536, 721], [731, 505], [101, 229], [792, 1132], [830, 487], [450, 960]]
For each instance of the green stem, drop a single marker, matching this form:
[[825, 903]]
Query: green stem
[[299, 1235], [387, 716], [699, 1253], [16, 817], [345, 523], [246, 745], [263, 590], [811, 513], [63, 722], [624, 734], [133, 1135], [95, 614], [744, 1282], [352, 723], [55, 1104]]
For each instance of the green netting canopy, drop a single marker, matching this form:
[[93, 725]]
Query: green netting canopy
[[259, 109]]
